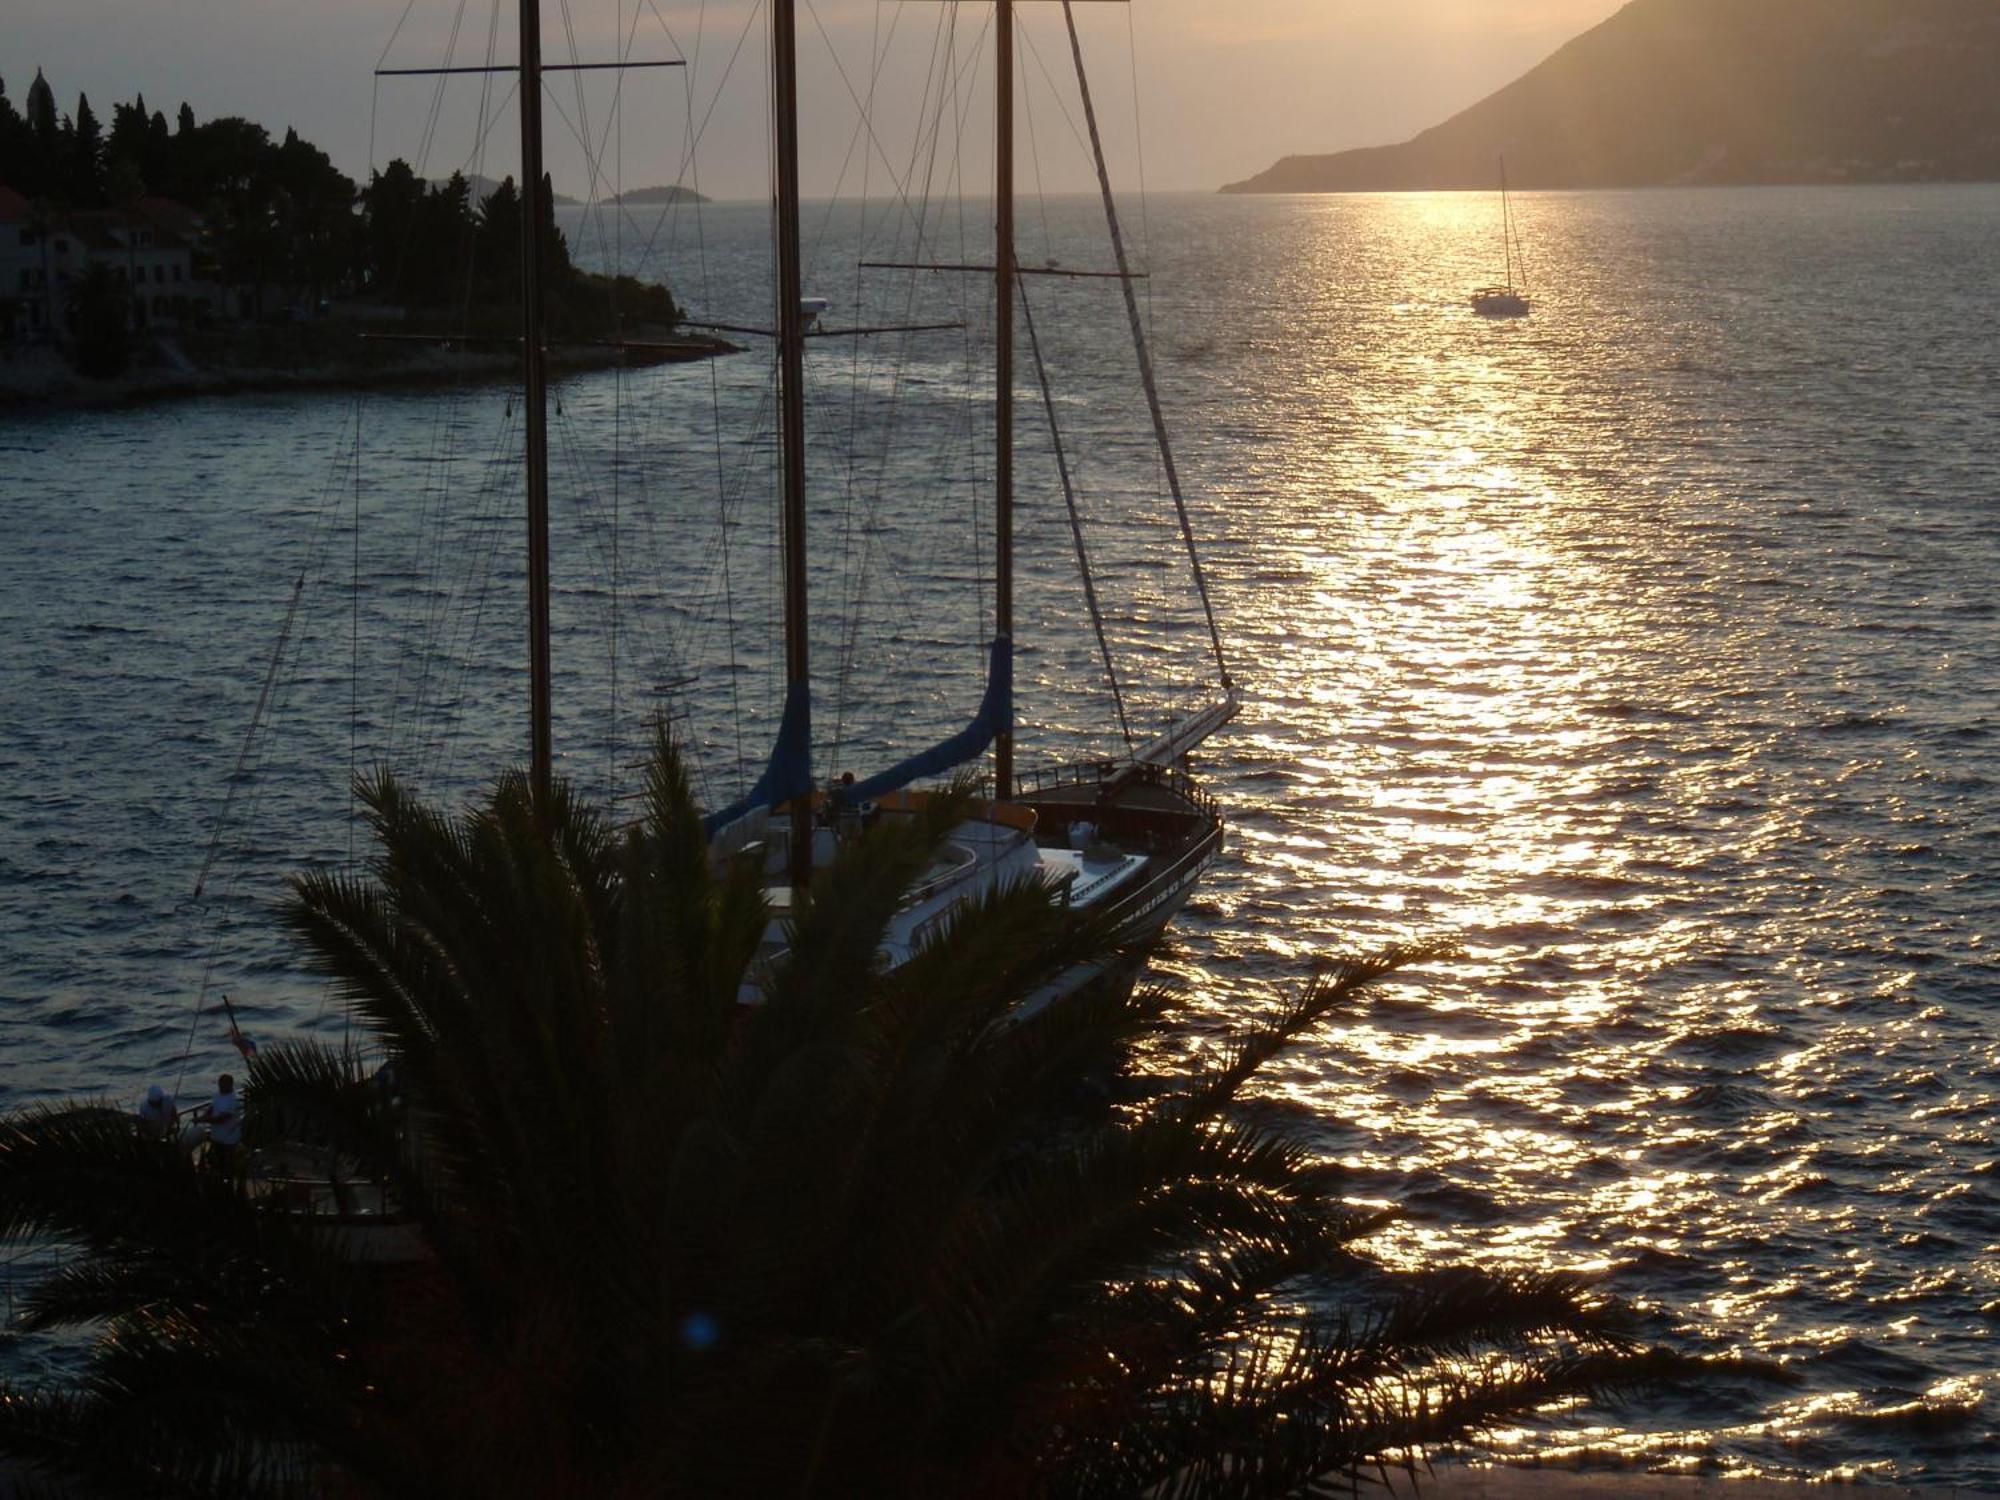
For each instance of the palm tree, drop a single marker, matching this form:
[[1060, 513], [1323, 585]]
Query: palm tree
[[860, 1237], [222, 1360]]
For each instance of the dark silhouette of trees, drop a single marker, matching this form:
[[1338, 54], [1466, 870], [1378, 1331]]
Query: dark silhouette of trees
[[36, 146], [62, 160], [313, 213], [140, 145], [97, 319], [231, 159], [420, 238], [388, 218], [437, 251], [497, 243], [84, 156], [280, 215], [277, 213], [17, 143], [433, 247], [856, 1238]]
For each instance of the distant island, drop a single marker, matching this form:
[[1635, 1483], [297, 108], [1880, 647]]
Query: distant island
[[640, 197], [154, 258], [1736, 92]]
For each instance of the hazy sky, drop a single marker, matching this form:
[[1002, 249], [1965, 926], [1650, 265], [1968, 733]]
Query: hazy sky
[[1225, 87]]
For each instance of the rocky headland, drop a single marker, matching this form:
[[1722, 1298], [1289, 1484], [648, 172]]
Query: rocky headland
[[1715, 92]]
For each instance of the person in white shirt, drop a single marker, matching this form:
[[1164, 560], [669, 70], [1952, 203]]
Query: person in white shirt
[[224, 1117], [157, 1115]]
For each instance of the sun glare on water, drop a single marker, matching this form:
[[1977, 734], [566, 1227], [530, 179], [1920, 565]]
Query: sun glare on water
[[1562, 652]]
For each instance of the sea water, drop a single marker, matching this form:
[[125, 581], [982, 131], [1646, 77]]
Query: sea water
[[1646, 646]]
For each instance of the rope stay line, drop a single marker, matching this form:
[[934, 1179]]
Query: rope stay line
[[281, 676], [1140, 344], [856, 532], [448, 608], [250, 736], [871, 589], [1075, 520], [447, 656], [661, 649]]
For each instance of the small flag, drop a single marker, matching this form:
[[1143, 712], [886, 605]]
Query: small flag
[[237, 1039]]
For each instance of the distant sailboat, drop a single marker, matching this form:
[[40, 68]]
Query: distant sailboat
[[1506, 300]]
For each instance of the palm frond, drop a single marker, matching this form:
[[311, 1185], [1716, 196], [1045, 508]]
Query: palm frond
[[1335, 985], [856, 1238]]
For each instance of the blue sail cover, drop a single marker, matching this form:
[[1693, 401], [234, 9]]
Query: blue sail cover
[[789, 773], [996, 712]]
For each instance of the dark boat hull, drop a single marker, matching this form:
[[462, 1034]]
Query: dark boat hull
[[1499, 302], [1158, 811]]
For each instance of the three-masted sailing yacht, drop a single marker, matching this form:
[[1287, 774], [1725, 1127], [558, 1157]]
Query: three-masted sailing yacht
[[1124, 837]]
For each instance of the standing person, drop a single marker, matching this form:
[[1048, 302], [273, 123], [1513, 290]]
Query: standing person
[[224, 1117], [157, 1115]]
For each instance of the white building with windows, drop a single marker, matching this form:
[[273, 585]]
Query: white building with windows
[[24, 269], [149, 246]]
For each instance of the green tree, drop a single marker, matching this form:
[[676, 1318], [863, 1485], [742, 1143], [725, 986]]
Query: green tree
[[388, 215], [227, 165], [419, 239], [137, 147], [856, 1238], [18, 149], [127, 137], [556, 264], [86, 157], [99, 323], [122, 182], [314, 216], [224, 1364], [497, 244]]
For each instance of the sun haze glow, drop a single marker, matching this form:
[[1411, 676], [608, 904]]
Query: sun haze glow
[[1224, 91]]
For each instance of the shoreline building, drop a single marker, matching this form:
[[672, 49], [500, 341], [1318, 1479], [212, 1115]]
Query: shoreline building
[[148, 246]]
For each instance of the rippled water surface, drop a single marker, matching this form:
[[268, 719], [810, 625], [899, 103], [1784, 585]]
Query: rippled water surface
[[1648, 646]]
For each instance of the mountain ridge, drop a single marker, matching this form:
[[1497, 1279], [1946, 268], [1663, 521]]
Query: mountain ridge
[[1722, 92]]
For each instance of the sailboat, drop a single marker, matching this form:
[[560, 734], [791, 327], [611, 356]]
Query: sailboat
[[1124, 837], [1505, 300]]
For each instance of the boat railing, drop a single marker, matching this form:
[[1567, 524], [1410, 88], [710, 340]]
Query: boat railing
[[955, 861], [1176, 778], [289, 1186]]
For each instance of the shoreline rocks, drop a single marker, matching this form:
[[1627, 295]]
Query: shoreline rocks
[[311, 356]]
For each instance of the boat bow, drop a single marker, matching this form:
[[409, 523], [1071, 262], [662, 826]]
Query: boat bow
[[1186, 734]]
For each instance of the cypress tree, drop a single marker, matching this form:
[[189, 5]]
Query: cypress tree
[[86, 156]]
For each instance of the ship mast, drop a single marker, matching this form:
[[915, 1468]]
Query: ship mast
[[791, 394], [534, 372], [1003, 368]]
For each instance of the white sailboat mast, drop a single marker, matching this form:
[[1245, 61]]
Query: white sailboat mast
[[1003, 367], [535, 404], [791, 390]]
